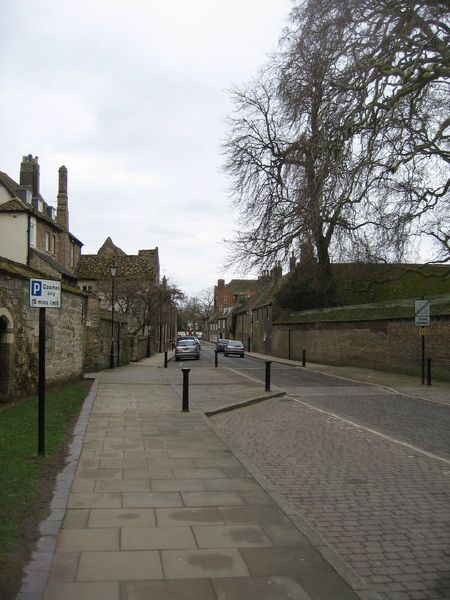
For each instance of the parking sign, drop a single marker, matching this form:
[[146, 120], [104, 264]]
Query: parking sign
[[45, 293], [422, 313]]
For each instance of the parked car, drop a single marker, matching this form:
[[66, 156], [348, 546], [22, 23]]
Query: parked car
[[192, 338], [234, 348], [186, 349], [221, 345]]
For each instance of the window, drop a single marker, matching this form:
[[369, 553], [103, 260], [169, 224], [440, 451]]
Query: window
[[32, 233], [72, 254], [47, 242], [53, 244]]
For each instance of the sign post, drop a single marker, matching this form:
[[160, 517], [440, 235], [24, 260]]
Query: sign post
[[43, 294], [422, 321]]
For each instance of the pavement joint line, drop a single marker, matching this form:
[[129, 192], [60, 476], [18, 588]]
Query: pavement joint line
[[230, 407], [374, 431], [357, 583]]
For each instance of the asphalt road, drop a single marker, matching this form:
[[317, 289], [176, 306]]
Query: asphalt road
[[420, 423]]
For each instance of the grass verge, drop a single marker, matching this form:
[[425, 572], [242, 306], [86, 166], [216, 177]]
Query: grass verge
[[26, 480]]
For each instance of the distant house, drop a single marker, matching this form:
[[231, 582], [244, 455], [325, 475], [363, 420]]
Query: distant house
[[93, 270], [227, 297], [140, 296], [32, 232], [252, 321]]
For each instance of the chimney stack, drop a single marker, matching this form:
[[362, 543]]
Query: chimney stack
[[29, 174], [62, 215]]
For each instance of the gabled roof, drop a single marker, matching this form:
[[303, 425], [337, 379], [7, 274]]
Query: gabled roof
[[12, 186], [13, 205], [97, 266], [53, 263], [264, 295], [242, 286]]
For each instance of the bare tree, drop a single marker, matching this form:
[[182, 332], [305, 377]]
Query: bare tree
[[341, 143], [194, 309], [399, 109], [142, 302]]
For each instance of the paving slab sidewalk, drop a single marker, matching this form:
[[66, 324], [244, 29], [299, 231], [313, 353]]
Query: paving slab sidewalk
[[153, 504]]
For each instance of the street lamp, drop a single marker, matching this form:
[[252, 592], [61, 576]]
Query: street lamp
[[113, 269]]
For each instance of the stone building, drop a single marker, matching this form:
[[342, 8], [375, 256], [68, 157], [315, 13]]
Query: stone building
[[32, 233], [19, 333], [35, 242], [139, 296]]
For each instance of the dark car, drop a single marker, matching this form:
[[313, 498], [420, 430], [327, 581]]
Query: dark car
[[221, 345], [234, 348], [186, 349]]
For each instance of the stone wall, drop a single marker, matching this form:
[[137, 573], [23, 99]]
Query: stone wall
[[387, 344], [98, 338], [142, 346], [19, 338]]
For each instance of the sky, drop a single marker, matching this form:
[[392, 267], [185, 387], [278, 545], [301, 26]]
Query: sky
[[132, 97]]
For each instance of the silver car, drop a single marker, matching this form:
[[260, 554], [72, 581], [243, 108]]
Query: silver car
[[234, 348], [186, 349]]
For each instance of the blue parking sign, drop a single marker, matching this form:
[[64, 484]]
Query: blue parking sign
[[36, 287], [45, 293]]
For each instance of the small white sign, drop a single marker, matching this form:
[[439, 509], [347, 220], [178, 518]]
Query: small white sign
[[45, 293], [422, 313]]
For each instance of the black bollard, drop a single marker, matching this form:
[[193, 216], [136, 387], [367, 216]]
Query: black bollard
[[428, 371], [303, 358], [216, 353], [165, 359], [268, 363], [185, 390]]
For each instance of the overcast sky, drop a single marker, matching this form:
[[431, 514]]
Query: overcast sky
[[131, 95]]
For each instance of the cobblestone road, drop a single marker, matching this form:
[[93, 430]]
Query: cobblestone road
[[383, 507]]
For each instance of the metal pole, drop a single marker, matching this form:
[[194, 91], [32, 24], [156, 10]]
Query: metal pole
[[111, 356], [185, 390], [165, 359], [41, 384], [216, 354], [303, 358], [423, 360], [289, 342], [428, 371], [268, 363]]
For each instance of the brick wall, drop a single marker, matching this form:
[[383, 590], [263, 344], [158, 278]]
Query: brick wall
[[389, 344]]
